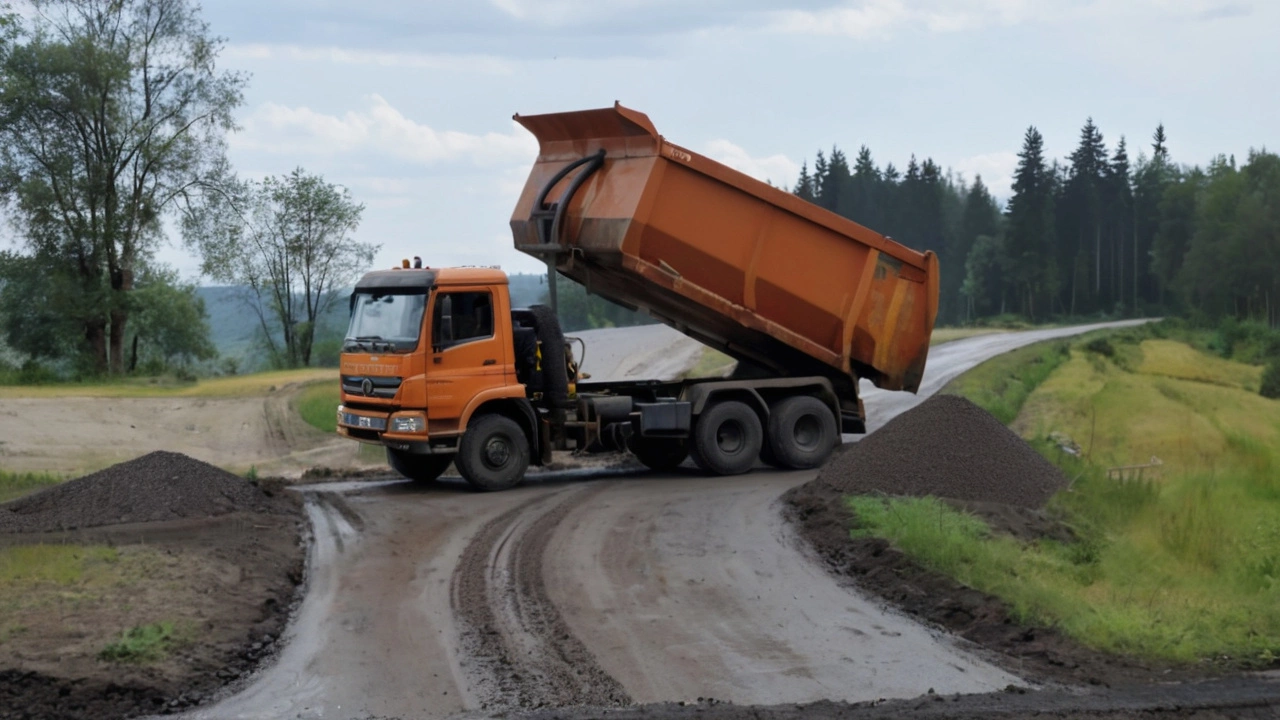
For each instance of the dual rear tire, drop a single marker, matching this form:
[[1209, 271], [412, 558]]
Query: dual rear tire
[[728, 436]]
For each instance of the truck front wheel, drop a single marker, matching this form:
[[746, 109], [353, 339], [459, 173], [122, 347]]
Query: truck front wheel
[[418, 468], [802, 432], [727, 438], [659, 454], [493, 454]]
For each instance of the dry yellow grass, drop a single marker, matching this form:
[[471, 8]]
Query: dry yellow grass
[[234, 386], [1176, 360], [1124, 418]]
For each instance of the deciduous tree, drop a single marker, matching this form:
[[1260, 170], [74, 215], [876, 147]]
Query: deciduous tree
[[288, 241], [110, 110]]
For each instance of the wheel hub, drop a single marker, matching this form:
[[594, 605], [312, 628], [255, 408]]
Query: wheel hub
[[731, 436], [497, 452], [807, 432]]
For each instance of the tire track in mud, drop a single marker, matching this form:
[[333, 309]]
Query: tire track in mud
[[524, 654]]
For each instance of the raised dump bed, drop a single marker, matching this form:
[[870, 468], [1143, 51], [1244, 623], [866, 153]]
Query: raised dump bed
[[784, 286]]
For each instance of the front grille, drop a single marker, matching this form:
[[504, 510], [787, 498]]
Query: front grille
[[379, 387]]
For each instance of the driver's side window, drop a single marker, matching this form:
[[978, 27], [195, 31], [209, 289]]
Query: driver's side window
[[461, 317]]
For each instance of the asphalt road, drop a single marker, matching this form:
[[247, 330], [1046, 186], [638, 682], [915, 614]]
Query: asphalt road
[[588, 590]]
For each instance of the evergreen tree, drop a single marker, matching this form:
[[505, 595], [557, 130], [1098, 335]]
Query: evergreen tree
[[1030, 233], [1080, 219], [1119, 220], [1159, 147], [804, 184]]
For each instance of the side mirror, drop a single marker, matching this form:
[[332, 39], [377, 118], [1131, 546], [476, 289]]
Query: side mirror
[[444, 323]]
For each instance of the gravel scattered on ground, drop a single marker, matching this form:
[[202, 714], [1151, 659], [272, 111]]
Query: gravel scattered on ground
[[950, 448], [156, 487]]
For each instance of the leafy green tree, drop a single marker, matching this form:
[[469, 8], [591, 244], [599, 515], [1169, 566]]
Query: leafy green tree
[[110, 110], [172, 326], [580, 310], [287, 240], [985, 268], [44, 309], [1176, 225]]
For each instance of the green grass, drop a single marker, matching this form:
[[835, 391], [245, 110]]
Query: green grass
[[14, 485], [24, 565], [1182, 566], [318, 405], [948, 334], [142, 644], [233, 386], [1001, 385]]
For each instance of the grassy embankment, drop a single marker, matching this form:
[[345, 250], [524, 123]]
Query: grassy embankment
[[1182, 567]]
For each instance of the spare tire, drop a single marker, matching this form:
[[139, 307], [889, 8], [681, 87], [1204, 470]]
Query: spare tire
[[555, 371]]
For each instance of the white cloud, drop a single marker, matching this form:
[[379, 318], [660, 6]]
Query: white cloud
[[777, 169], [880, 19], [558, 12], [379, 130], [868, 19], [996, 169], [350, 56]]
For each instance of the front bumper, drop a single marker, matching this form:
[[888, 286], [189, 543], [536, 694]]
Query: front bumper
[[371, 426]]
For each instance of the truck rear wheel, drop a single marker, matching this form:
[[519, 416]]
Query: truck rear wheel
[[727, 438], [493, 454], [418, 468], [802, 432], [659, 454]]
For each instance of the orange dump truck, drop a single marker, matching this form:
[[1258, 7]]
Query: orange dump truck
[[439, 368]]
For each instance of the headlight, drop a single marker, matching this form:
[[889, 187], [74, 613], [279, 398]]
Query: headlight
[[408, 424]]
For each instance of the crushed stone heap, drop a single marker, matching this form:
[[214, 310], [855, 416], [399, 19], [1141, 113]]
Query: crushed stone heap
[[947, 447], [155, 487]]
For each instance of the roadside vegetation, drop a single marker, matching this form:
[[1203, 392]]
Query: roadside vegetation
[[1180, 564], [142, 644], [1001, 385], [317, 403], [16, 484]]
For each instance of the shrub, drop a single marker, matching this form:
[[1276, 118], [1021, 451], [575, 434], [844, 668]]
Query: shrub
[[1101, 346], [1271, 380]]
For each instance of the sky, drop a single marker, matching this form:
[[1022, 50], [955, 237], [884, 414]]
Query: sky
[[408, 103]]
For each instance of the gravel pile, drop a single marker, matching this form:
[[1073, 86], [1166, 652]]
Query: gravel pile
[[155, 487], [947, 447]]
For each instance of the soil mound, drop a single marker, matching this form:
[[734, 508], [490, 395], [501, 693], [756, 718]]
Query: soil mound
[[155, 487], [950, 448]]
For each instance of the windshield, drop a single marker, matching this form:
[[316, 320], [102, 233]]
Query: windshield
[[385, 321]]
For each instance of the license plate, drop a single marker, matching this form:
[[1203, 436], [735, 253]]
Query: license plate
[[364, 422]]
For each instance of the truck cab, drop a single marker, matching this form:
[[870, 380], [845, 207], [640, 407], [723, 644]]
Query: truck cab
[[426, 350]]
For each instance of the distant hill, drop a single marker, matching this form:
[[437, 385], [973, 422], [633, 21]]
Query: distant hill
[[235, 330]]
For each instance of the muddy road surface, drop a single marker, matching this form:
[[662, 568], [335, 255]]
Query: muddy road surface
[[576, 590]]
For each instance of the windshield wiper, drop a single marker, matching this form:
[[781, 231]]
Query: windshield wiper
[[359, 343]]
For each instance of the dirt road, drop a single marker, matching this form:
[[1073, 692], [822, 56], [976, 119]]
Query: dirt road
[[427, 602], [75, 435]]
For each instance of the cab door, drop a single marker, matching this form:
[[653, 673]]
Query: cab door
[[467, 353]]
